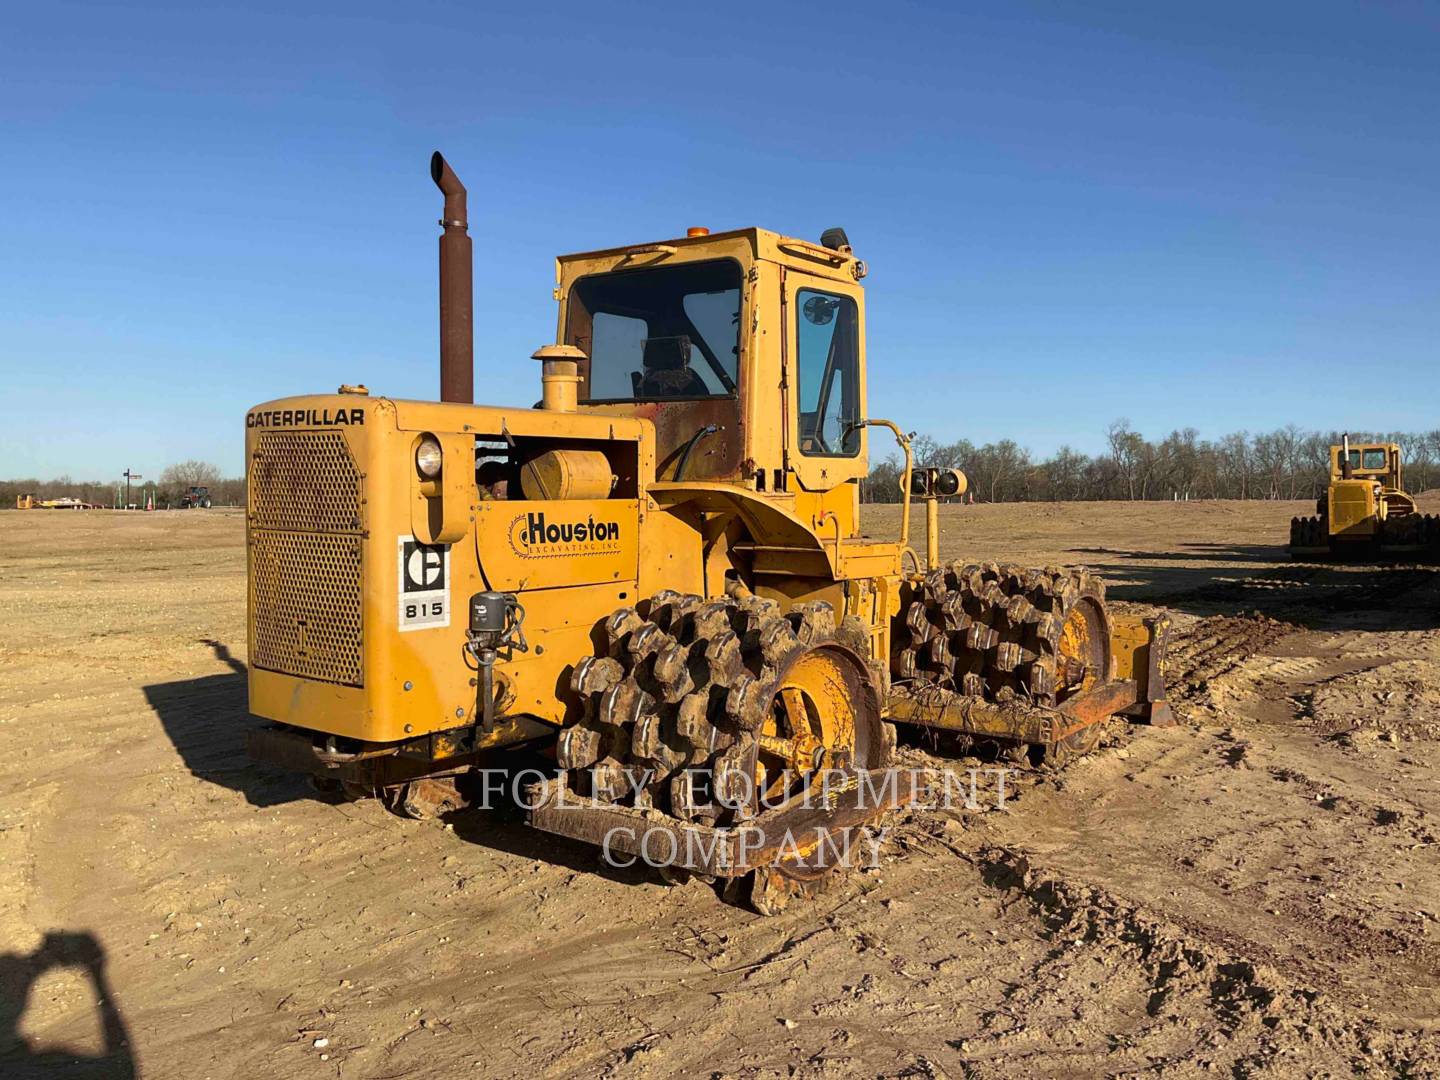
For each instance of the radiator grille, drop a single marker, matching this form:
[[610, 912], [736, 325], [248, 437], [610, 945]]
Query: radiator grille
[[306, 557], [304, 481], [305, 596]]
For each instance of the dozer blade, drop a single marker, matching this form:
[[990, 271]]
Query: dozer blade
[[811, 828]]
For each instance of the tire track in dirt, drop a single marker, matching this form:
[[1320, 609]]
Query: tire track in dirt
[[1206, 1006], [1217, 645], [1214, 647]]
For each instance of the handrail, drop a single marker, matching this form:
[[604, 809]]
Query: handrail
[[808, 251], [836, 518], [649, 249], [904, 441]]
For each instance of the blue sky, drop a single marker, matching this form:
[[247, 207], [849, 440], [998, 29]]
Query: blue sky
[[1212, 215]]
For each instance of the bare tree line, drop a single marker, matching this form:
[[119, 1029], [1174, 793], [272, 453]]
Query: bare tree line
[[1289, 463], [167, 489]]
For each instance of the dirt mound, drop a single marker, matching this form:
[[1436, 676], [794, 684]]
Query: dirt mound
[[1214, 647], [1183, 997]]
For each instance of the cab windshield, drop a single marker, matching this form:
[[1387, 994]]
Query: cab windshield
[[670, 333], [1371, 458]]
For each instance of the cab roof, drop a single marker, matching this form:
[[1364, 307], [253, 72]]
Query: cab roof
[[765, 245]]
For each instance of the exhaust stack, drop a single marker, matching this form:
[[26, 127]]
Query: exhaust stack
[[457, 304]]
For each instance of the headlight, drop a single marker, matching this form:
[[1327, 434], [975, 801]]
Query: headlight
[[950, 482], [428, 457]]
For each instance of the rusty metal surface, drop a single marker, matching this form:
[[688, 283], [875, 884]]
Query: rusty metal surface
[[1156, 714], [718, 457], [934, 707], [285, 749], [424, 799], [1152, 686], [457, 336], [1098, 703], [380, 765], [1015, 719]]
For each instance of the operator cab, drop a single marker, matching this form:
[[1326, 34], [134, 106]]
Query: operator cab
[[744, 348], [1368, 461]]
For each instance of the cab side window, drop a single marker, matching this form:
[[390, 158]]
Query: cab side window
[[828, 365]]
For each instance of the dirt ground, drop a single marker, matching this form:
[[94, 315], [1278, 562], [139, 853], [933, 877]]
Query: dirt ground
[[1254, 892]]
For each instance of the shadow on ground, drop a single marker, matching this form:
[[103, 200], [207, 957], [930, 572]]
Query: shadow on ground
[[1262, 553], [497, 821], [1374, 596], [207, 719], [19, 1057]]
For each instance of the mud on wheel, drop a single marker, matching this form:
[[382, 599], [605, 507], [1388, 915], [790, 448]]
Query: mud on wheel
[[1004, 632], [702, 708]]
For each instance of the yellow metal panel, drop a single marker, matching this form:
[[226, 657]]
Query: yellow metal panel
[[1353, 509], [765, 406], [336, 710], [440, 509], [672, 552], [492, 420], [1129, 637], [417, 681]]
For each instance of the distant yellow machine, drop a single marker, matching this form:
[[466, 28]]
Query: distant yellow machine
[[657, 573], [1365, 511], [29, 502]]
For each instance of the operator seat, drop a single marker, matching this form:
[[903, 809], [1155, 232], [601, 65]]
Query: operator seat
[[667, 370]]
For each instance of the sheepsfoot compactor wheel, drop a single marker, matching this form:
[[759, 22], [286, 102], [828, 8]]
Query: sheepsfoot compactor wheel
[[1028, 660], [730, 739], [726, 738]]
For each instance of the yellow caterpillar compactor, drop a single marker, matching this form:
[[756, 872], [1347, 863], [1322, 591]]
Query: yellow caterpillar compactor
[[657, 573], [1364, 512]]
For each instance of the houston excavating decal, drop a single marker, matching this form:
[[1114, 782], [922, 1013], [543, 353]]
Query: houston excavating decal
[[533, 537]]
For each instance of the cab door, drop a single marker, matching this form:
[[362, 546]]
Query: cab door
[[824, 377]]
